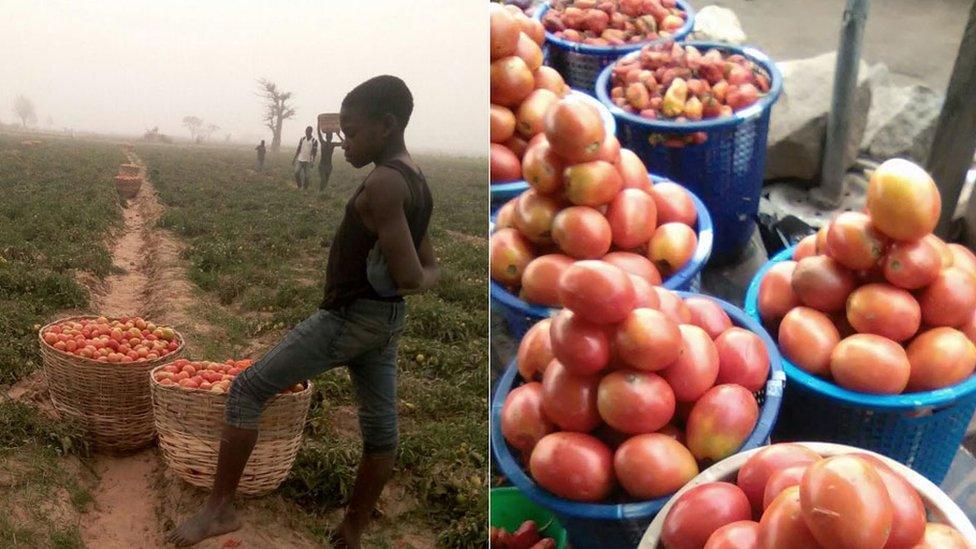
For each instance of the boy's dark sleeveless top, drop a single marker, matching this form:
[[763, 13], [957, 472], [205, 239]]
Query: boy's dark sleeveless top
[[345, 277]]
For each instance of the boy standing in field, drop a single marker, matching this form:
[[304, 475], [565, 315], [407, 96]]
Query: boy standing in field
[[327, 146], [305, 154], [261, 152], [356, 325]]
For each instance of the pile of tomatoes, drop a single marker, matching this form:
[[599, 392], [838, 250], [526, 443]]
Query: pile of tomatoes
[[522, 89], [120, 340], [787, 495], [638, 387], [875, 301], [207, 376], [613, 23], [526, 536]]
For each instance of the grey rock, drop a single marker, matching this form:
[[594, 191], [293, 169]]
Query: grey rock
[[718, 24], [902, 121]]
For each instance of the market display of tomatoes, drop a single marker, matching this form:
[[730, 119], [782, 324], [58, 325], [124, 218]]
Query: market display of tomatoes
[[207, 376], [632, 387], [788, 496], [874, 301], [522, 89], [118, 340], [526, 536], [613, 22]]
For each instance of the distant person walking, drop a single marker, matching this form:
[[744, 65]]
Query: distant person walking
[[261, 150], [325, 163], [305, 155]]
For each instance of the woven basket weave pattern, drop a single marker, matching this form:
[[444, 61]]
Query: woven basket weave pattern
[[128, 186], [110, 401]]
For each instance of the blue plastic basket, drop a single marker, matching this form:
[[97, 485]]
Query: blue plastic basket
[[622, 525], [580, 64], [503, 192], [521, 315], [921, 430], [726, 170]]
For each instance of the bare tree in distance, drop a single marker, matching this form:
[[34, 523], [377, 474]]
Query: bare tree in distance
[[276, 109], [24, 109], [195, 125]]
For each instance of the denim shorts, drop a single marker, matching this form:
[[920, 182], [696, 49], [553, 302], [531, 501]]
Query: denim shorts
[[362, 336]]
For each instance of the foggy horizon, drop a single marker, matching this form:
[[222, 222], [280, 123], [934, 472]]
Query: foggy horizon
[[125, 67]]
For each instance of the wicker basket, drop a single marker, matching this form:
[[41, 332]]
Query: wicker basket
[[127, 185], [130, 169], [111, 402], [940, 508], [190, 421]]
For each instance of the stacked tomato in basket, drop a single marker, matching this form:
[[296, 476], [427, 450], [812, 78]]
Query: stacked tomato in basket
[[804, 500], [613, 23], [622, 369], [122, 340], [521, 89], [206, 376], [875, 301]]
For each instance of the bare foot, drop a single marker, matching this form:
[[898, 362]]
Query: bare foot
[[345, 536], [212, 520]]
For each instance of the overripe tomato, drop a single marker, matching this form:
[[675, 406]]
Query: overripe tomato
[[742, 359], [911, 265], [743, 534], [582, 232], [940, 357], [782, 524], [535, 351], [672, 246], [648, 340], [633, 218], [574, 466], [697, 513], [510, 254], [673, 306], [822, 283], [806, 247], [674, 204], [695, 370], [653, 465], [884, 310], [568, 399], [708, 315], [908, 510], [853, 242], [582, 346], [721, 421], [574, 129], [871, 364], [523, 421], [635, 402], [902, 200], [806, 338], [634, 264], [755, 472], [597, 291], [845, 503], [950, 299], [781, 480], [540, 280], [776, 296]]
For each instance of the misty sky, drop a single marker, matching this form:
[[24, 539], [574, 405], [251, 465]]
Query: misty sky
[[123, 66]]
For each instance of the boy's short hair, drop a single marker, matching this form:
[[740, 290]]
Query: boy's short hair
[[381, 95]]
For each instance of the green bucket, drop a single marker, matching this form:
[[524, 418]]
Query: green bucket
[[509, 509]]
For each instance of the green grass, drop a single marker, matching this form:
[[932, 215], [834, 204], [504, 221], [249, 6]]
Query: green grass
[[58, 208], [259, 247]]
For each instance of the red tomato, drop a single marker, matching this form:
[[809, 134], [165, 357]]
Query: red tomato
[[853, 242], [535, 351], [743, 534], [674, 204], [963, 258], [672, 246], [903, 201], [697, 513], [911, 265], [510, 254], [633, 171], [755, 472], [506, 215], [505, 166], [908, 510], [523, 421], [806, 338], [597, 291], [781, 480], [582, 232], [708, 315], [950, 299], [653, 465], [574, 466], [945, 254], [504, 32], [540, 280], [940, 357], [871, 364], [510, 81], [534, 213], [582, 346], [806, 247], [845, 503], [969, 327], [884, 310], [531, 112], [695, 370], [940, 536], [593, 183], [633, 218], [776, 296], [822, 283], [542, 168], [673, 306], [821, 240], [574, 129], [782, 524], [502, 124], [634, 264], [644, 293], [635, 402], [721, 421], [569, 400], [742, 359], [648, 340]]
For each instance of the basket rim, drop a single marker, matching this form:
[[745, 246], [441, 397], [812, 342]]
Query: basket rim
[[890, 403], [44, 344], [511, 189], [705, 233], [578, 47], [738, 117], [731, 464], [157, 385], [764, 425]]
